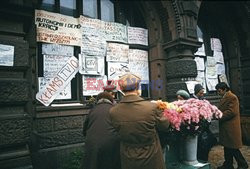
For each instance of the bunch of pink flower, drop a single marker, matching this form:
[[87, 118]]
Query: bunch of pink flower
[[191, 115]]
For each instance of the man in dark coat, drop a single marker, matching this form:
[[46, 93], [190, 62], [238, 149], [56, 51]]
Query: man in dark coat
[[230, 128], [137, 120], [102, 145]]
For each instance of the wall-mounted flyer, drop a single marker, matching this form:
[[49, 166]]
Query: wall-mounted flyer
[[137, 36], [91, 65], [57, 28], [6, 55], [138, 64], [57, 49], [117, 52], [93, 85], [116, 69]]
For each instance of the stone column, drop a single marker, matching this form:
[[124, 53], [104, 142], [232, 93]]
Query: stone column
[[180, 65]]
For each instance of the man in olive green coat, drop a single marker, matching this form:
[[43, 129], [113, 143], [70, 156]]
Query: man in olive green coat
[[230, 128], [137, 121]]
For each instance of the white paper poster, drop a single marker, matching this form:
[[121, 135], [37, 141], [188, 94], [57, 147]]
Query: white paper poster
[[223, 78], [52, 64], [211, 83], [216, 44], [57, 28], [219, 57], [201, 79], [56, 49], [6, 55], [190, 86], [93, 85], [93, 41], [138, 64], [58, 83], [65, 94], [201, 51], [115, 70], [137, 36], [211, 62], [115, 32], [220, 68], [91, 65], [200, 63], [117, 52]]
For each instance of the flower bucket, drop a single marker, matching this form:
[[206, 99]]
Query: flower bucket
[[189, 150]]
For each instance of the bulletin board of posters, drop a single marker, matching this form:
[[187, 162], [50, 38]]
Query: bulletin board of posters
[[104, 54]]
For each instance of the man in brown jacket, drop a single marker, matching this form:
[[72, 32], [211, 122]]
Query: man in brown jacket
[[230, 128], [137, 121]]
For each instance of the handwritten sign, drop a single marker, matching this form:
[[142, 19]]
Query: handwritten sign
[[58, 28], [58, 83], [90, 65], [116, 69], [115, 32], [138, 63], [65, 94], [56, 49], [52, 64], [93, 42], [6, 55], [137, 36], [93, 85], [117, 52]]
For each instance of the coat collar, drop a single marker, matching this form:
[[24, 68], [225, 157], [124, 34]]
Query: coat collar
[[104, 101], [131, 98], [224, 97]]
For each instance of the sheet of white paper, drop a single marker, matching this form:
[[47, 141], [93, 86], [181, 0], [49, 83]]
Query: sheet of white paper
[[117, 52], [190, 86], [218, 57], [200, 63], [211, 83], [220, 68], [93, 85], [57, 49], [216, 44], [65, 94], [6, 55]]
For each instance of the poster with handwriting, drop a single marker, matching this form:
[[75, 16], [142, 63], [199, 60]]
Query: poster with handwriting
[[57, 49], [116, 69], [115, 32], [93, 41], [117, 52], [65, 94], [138, 63], [53, 63], [57, 28], [58, 82], [93, 85], [137, 36]]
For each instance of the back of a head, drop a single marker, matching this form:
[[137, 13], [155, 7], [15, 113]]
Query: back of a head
[[183, 93], [105, 95], [129, 82], [197, 88], [222, 85], [110, 87]]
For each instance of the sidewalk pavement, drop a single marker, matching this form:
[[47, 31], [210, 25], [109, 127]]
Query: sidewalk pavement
[[216, 156]]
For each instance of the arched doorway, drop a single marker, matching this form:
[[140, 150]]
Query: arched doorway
[[228, 21]]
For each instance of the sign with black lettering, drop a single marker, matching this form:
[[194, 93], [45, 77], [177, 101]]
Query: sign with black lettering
[[57, 28], [58, 83]]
